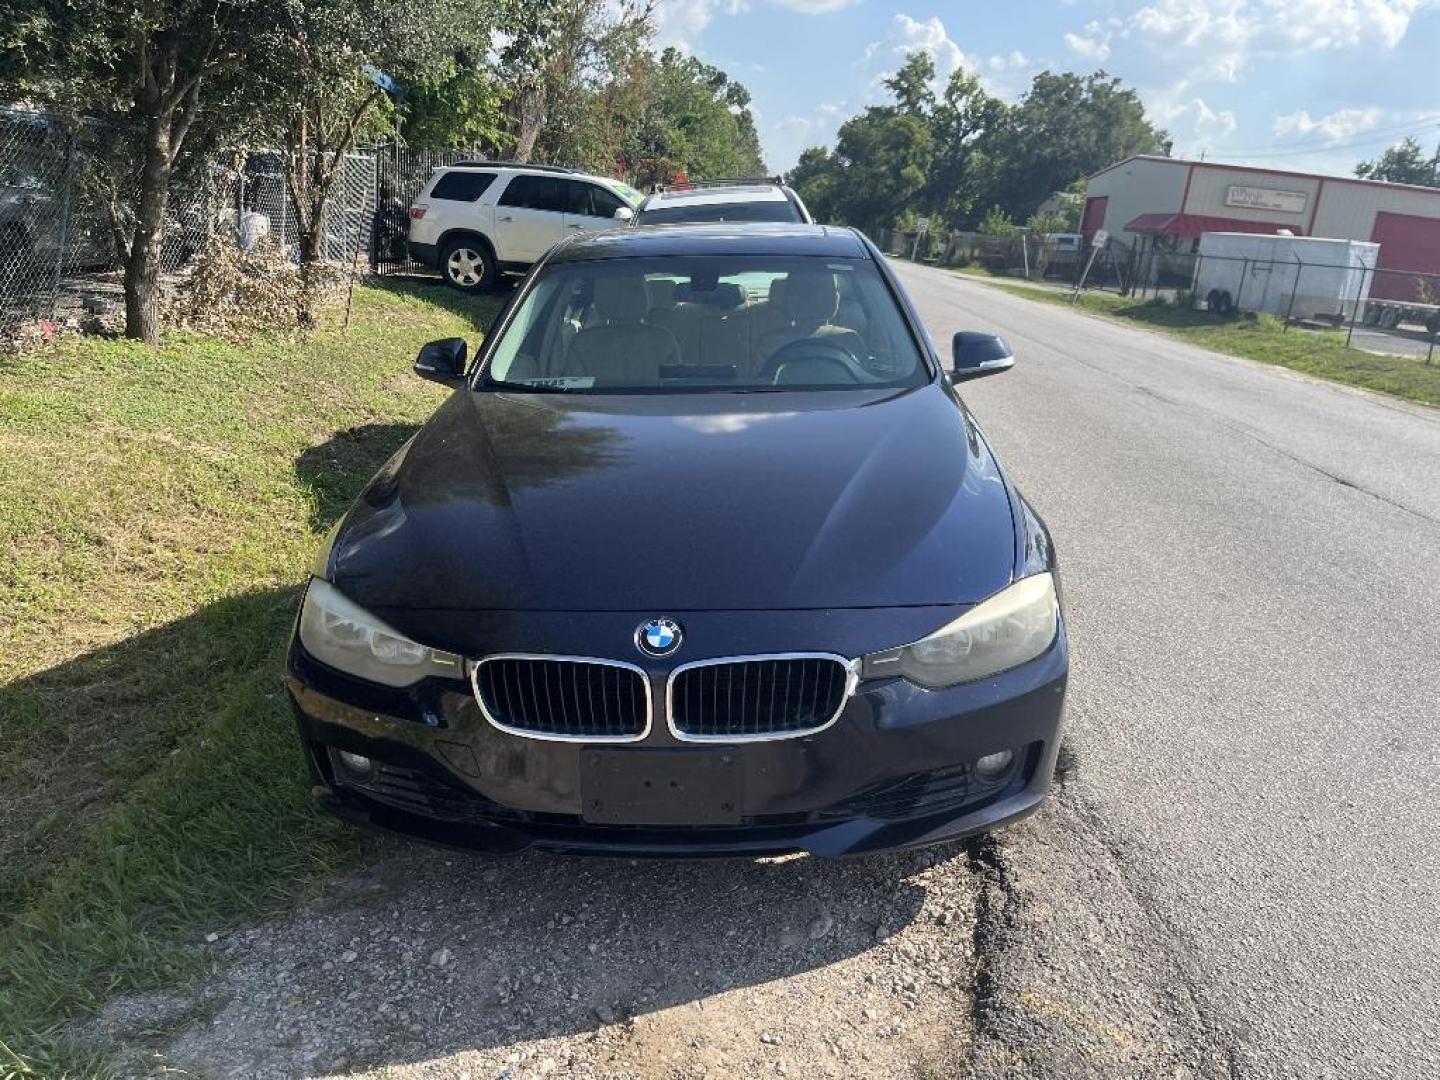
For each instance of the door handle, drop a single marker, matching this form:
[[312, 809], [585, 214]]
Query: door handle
[[507, 217], [576, 225]]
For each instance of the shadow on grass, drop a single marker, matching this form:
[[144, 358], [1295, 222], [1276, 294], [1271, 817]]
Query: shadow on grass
[[479, 308], [337, 470], [162, 790]]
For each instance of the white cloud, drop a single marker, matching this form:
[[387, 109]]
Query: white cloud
[[1191, 121], [813, 7], [1336, 127], [1335, 24], [1016, 59], [1093, 44], [1219, 39], [682, 24], [907, 34], [1213, 37]]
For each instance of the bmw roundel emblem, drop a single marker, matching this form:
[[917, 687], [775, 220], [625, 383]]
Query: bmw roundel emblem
[[659, 637]]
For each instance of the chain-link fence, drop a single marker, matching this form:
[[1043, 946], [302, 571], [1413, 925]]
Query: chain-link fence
[[60, 230], [41, 238], [1380, 310]]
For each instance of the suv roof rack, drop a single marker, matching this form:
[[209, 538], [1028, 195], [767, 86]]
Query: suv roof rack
[[472, 163], [719, 181]]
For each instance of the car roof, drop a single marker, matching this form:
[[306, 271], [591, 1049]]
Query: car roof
[[709, 196], [537, 170], [751, 238]]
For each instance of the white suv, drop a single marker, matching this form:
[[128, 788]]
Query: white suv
[[475, 220]]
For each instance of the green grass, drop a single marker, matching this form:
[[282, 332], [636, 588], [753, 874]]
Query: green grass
[[976, 270], [1321, 353], [158, 510]]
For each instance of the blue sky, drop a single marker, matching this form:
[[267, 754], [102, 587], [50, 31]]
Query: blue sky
[[1303, 84]]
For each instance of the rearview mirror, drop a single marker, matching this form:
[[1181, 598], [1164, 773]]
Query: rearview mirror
[[624, 213], [976, 354], [442, 361]]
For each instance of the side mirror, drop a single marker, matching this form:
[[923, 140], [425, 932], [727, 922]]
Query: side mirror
[[624, 213], [442, 361], [976, 354]]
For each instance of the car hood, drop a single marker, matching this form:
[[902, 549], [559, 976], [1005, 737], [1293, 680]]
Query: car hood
[[683, 503]]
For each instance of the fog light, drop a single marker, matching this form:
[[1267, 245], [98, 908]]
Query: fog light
[[992, 765], [357, 765]]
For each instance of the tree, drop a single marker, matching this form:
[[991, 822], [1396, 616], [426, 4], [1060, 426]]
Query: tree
[[884, 156], [694, 121], [815, 180], [325, 82], [998, 223], [555, 51], [460, 105], [959, 123], [1404, 163], [142, 68], [910, 86], [1065, 127], [950, 155]]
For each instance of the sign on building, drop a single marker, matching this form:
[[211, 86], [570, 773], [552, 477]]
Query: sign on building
[[1258, 198]]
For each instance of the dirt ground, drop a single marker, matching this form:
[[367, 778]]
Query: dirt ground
[[437, 964]]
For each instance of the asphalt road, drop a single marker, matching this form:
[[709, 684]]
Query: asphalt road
[[1250, 563]]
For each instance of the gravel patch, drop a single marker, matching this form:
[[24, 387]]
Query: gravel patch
[[436, 964]]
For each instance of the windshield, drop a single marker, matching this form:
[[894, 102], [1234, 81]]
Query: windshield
[[768, 210], [708, 323], [625, 191]]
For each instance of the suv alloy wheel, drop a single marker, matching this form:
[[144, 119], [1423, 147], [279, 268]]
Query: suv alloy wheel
[[467, 265]]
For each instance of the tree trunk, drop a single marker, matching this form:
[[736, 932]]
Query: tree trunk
[[531, 116], [311, 256], [142, 267]]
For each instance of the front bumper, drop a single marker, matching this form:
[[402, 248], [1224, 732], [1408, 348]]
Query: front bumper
[[896, 771]]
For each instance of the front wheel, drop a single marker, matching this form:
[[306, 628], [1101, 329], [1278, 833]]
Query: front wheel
[[467, 265]]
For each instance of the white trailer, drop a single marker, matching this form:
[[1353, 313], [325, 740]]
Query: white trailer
[[1302, 276]]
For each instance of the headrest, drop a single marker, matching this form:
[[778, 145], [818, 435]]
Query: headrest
[[662, 293], [621, 298], [725, 297], [811, 296], [777, 290]]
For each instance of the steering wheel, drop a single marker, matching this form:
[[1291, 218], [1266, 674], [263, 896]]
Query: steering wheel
[[828, 359]]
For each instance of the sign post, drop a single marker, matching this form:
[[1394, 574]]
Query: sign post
[[921, 228], [1097, 245]]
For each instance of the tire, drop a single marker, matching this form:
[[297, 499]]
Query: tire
[[466, 264]]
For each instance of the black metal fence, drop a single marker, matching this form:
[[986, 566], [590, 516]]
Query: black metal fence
[[400, 173]]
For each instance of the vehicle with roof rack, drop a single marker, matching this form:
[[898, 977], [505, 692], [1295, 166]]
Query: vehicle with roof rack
[[726, 199], [478, 219]]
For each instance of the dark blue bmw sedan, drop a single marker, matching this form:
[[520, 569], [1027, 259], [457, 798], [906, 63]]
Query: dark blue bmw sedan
[[704, 555]]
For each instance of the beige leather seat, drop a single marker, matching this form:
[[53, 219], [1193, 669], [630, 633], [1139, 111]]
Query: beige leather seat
[[811, 301], [770, 315], [621, 349]]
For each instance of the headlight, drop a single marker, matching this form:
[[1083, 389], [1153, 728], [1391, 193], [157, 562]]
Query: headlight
[[344, 635], [1015, 625]]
